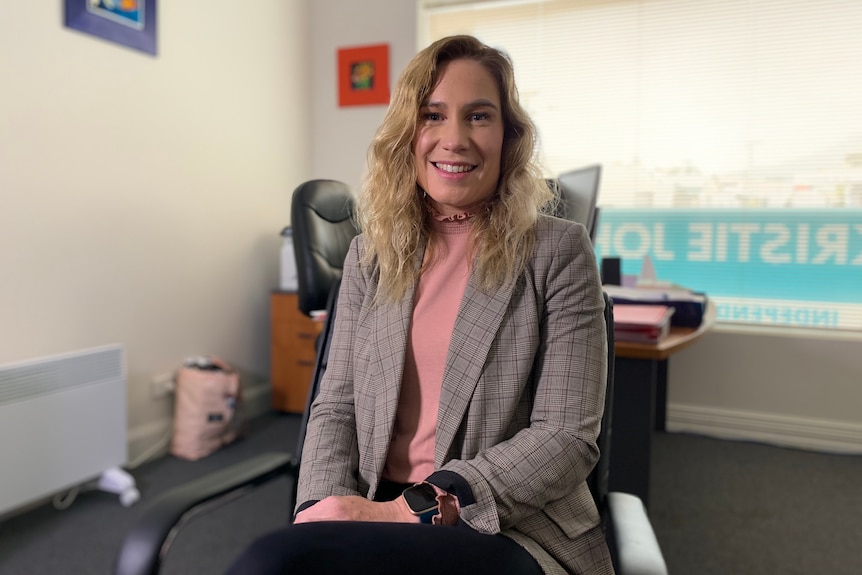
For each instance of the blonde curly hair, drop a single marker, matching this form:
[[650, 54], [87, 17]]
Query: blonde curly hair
[[391, 210]]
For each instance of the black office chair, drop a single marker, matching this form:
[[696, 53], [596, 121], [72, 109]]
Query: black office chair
[[322, 218], [321, 215], [632, 542], [630, 535], [633, 545]]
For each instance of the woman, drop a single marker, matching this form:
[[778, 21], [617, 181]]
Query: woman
[[457, 420]]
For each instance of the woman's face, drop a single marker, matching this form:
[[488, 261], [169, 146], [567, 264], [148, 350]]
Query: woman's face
[[459, 138]]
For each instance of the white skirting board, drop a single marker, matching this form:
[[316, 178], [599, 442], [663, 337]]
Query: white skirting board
[[786, 431]]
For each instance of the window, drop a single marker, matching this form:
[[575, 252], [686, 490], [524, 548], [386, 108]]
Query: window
[[729, 132]]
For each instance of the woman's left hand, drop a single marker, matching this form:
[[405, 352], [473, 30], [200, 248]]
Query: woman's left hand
[[355, 508]]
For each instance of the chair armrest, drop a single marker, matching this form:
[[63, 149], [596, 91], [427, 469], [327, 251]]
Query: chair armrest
[[637, 549], [147, 542]]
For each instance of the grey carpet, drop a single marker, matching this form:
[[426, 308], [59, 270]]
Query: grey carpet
[[723, 507], [718, 507], [84, 539]]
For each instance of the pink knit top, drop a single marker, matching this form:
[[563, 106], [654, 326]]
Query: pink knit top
[[438, 296]]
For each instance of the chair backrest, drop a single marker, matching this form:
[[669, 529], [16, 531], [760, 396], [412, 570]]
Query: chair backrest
[[598, 478], [579, 194], [321, 216], [320, 363]]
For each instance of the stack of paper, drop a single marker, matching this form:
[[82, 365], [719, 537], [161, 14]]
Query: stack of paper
[[689, 306], [641, 323]]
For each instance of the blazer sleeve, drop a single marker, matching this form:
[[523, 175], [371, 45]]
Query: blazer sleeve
[[543, 467], [330, 453]]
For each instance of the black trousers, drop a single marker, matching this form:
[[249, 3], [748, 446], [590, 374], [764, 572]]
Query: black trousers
[[360, 548]]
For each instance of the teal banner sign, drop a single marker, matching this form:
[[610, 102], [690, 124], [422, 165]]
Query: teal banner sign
[[767, 255]]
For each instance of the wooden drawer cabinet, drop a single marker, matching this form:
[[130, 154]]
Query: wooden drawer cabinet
[[292, 353]]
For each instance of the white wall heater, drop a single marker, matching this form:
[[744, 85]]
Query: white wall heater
[[62, 423]]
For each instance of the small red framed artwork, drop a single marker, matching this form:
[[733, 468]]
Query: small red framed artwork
[[363, 75]]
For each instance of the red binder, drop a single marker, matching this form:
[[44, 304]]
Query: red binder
[[641, 323]]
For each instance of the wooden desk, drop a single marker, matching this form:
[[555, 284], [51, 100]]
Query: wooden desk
[[640, 403], [679, 338]]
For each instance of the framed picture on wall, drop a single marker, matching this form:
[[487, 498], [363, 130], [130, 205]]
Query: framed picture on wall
[[363, 75], [128, 22]]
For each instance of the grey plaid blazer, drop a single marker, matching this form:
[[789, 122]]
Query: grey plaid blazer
[[520, 407]]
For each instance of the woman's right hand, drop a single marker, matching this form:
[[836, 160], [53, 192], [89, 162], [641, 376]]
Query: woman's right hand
[[356, 508]]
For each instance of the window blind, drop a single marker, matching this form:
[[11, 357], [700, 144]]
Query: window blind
[[729, 132]]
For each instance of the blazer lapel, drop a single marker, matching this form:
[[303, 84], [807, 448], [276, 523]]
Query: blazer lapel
[[392, 325], [476, 327]]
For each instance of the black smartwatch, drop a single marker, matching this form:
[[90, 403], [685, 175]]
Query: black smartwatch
[[422, 501]]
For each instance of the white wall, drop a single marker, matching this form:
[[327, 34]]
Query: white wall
[[141, 197], [787, 387], [340, 136]]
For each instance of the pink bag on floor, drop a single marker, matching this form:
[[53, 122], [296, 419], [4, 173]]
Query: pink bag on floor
[[206, 408]]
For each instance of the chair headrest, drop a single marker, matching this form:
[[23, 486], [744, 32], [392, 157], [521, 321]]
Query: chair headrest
[[323, 227]]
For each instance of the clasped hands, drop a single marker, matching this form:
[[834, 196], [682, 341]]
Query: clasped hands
[[356, 508]]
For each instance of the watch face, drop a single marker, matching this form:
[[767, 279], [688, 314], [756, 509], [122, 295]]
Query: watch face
[[420, 498]]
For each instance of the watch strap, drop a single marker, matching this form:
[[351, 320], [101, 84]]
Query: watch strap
[[428, 516], [422, 501]]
